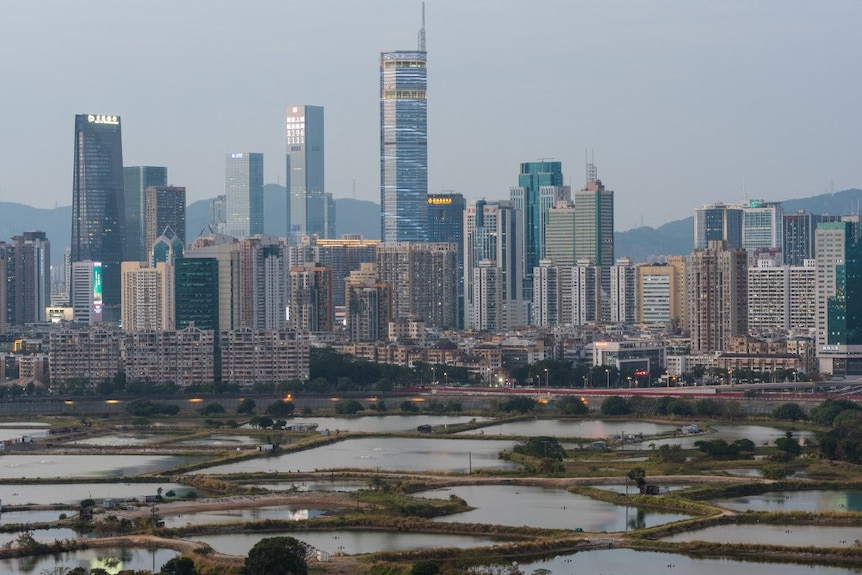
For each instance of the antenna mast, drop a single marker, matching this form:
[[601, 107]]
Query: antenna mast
[[422, 31]]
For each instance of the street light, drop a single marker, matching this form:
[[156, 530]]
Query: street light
[[445, 378], [608, 378], [546, 378], [666, 379]]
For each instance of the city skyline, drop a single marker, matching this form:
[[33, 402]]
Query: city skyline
[[682, 103]]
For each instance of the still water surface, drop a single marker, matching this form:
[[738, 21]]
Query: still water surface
[[73, 493], [110, 559], [818, 501], [348, 542], [550, 508], [792, 535], [384, 453], [32, 466], [282, 512], [627, 562], [587, 428]]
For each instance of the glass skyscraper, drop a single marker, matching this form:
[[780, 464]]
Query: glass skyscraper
[[718, 222], [98, 214], [244, 194], [136, 179], [540, 187], [307, 205], [404, 145]]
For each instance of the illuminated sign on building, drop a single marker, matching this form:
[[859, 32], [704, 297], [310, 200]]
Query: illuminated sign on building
[[97, 291], [102, 119], [439, 201]]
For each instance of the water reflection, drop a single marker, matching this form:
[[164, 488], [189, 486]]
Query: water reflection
[[282, 512], [819, 501], [790, 535], [73, 493], [64, 466], [112, 560], [551, 508], [619, 561], [348, 542], [385, 454]]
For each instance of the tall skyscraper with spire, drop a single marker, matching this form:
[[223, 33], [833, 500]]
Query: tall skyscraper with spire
[[404, 143], [98, 214]]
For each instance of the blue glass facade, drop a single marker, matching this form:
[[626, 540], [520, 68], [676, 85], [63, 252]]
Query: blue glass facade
[[403, 146], [718, 222], [98, 214], [244, 194], [306, 200], [136, 180]]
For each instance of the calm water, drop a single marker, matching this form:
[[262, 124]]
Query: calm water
[[44, 535], [588, 428], [759, 434], [627, 561], [32, 466], [110, 559], [385, 423], [219, 440], [792, 535], [348, 542], [385, 453], [40, 516], [120, 440], [551, 508], [817, 501], [73, 493], [283, 512]]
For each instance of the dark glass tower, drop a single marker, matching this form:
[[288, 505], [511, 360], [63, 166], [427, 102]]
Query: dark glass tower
[[196, 291], [98, 215], [404, 144]]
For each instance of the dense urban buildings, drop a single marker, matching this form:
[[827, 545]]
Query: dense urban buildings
[[493, 264], [243, 194], [310, 210], [404, 144], [98, 210]]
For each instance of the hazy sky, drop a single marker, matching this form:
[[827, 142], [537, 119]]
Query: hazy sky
[[683, 102]]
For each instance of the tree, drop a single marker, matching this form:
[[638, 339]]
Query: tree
[[280, 408], [572, 405], [543, 447], [246, 406], [277, 556], [179, 566], [409, 407], [349, 407], [212, 409], [615, 405], [788, 444], [791, 411], [638, 475], [519, 404], [826, 412]]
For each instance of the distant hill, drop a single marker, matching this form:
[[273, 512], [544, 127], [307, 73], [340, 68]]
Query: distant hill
[[351, 216], [677, 238], [363, 217]]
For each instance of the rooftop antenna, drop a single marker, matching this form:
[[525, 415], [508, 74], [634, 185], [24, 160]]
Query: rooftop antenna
[[592, 171], [744, 197], [422, 31]]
